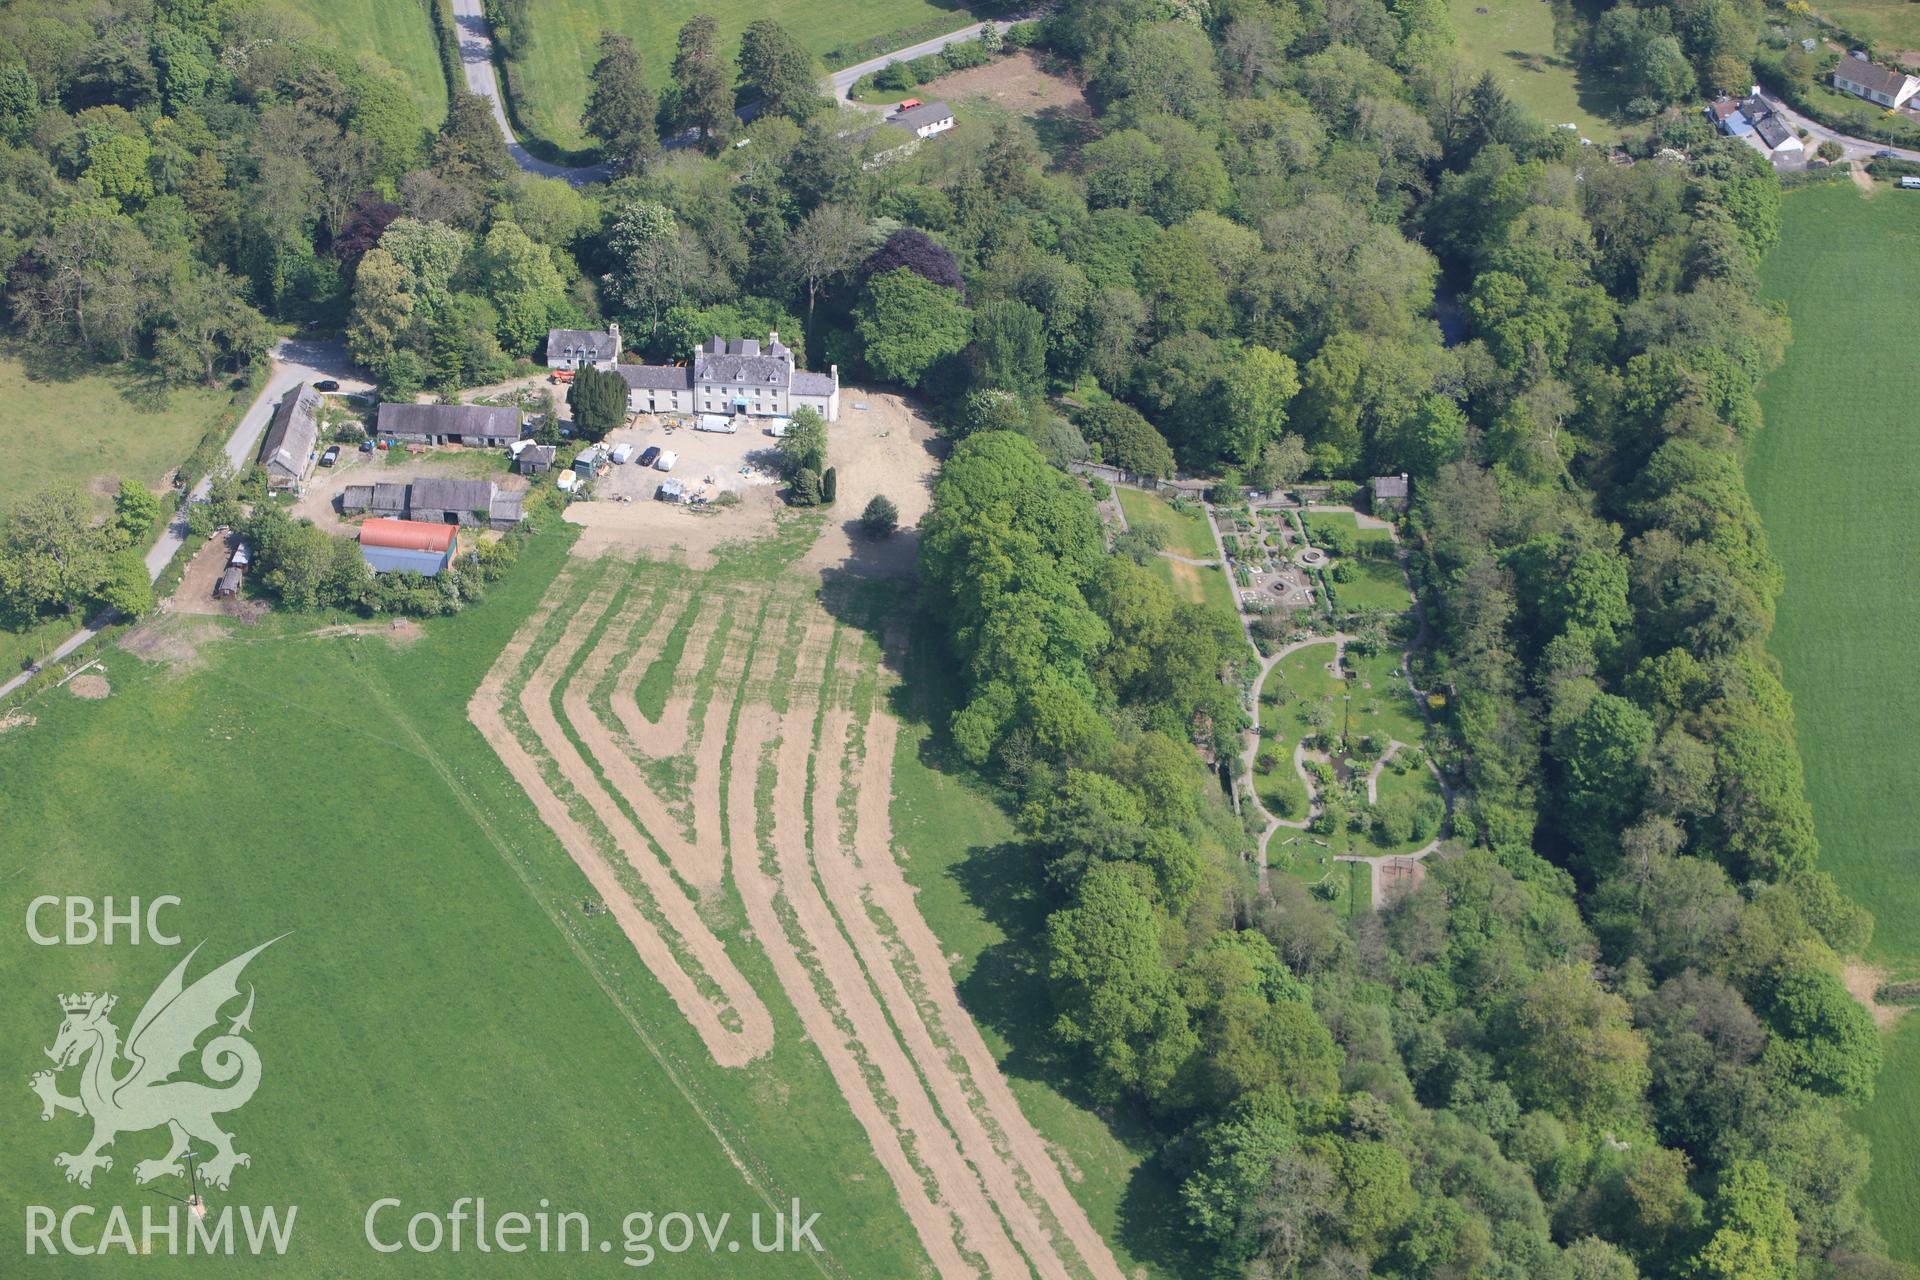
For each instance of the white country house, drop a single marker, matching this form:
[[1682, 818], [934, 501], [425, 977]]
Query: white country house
[[733, 377], [583, 348], [1864, 79]]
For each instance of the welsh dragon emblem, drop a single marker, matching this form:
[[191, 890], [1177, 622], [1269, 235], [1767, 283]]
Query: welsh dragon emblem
[[144, 1094]]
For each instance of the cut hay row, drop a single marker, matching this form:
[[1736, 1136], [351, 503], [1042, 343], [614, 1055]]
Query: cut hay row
[[729, 1017], [782, 710]]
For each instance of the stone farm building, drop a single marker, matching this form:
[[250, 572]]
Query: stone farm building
[[1390, 493], [1875, 83], [733, 377], [583, 348], [481, 425], [287, 452], [437, 501], [407, 546]]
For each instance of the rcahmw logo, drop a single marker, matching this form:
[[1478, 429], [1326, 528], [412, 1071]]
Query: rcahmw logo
[[129, 1087]]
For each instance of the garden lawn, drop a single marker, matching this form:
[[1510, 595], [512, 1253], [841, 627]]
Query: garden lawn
[[549, 78], [1196, 584], [1376, 584], [1295, 684], [442, 1018], [1186, 531], [1381, 701], [1833, 462], [1514, 36], [399, 33], [93, 429]]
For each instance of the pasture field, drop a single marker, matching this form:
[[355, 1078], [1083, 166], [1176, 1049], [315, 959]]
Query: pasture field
[[398, 33], [1520, 42], [550, 75], [1186, 532], [1892, 23], [1837, 441], [91, 429], [445, 1016]]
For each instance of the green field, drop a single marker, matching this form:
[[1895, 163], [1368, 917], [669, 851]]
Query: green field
[[443, 1019], [1827, 472], [549, 77], [398, 33], [452, 1013], [91, 429], [1892, 23], [1520, 41]]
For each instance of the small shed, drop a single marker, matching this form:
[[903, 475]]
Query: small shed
[[670, 491], [1390, 493], [407, 546], [535, 460], [229, 584]]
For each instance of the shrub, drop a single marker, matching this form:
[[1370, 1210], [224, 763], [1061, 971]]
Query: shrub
[[881, 516]]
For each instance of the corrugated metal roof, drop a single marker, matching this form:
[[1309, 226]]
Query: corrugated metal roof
[[408, 535]]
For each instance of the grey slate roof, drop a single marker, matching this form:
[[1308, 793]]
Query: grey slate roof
[[389, 498], [293, 430], [1389, 486], [918, 117], [657, 377], [1771, 130], [582, 344], [812, 384], [356, 497], [739, 368], [1871, 75], [439, 494], [499, 421], [507, 505]]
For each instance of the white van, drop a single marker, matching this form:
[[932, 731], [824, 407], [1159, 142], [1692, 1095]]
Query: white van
[[715, 423], [621, 453], [666, 460], [1910, 183], [778, 428]]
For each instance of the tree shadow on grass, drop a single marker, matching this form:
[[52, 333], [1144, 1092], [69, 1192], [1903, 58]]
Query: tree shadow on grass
[[141, 383], [1005, 990]]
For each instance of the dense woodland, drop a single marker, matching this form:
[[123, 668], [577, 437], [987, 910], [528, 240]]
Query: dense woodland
[[1607, 1038]]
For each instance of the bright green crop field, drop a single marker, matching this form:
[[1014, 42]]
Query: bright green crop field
[[1829, 473]]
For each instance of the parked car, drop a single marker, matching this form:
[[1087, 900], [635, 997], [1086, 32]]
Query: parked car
[[649, 454], [1884, 154], [331, 456], [326, 384], [366, 446]]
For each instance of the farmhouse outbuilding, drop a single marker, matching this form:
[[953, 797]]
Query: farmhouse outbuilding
[[440, 501], [287, 451], [583, 348], [535, 459], [480, 425], [407, 546]]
